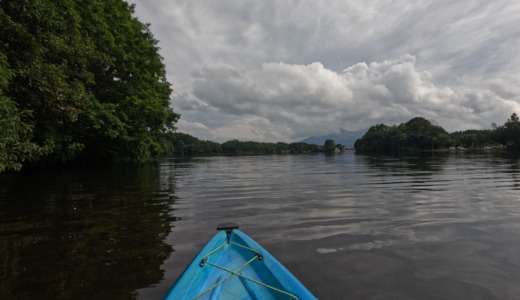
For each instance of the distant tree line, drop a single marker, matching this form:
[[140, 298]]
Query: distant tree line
[[79, 80], [185, 144], [420, 134]]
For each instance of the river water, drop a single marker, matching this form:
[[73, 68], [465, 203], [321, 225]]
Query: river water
[[442, 226]]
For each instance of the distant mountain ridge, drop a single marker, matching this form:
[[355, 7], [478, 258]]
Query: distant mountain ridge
[[343, 137]]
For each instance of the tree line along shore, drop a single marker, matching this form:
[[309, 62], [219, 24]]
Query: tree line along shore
[[419, 134], [83, 81]]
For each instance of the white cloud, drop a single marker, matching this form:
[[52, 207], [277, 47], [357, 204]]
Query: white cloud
[[284, 70], [300, 100]]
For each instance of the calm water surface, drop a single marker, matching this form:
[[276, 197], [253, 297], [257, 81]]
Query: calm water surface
[[348, 226]]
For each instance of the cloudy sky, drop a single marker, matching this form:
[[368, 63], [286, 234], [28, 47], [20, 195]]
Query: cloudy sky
[[283, 70]]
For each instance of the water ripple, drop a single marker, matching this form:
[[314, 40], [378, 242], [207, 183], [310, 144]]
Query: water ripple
[[411, 214]]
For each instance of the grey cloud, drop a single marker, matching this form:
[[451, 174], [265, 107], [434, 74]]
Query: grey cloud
[[313, 99], [290, 69]]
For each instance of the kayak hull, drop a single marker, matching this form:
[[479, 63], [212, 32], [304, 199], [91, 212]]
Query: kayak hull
[[234, 266]]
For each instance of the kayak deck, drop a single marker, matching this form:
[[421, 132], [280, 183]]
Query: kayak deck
[[233, 266]]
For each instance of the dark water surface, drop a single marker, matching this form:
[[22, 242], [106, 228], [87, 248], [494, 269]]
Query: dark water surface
[[348, 226]]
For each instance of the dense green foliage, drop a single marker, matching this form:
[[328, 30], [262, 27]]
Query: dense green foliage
[[329, 145], [509, 134], [473, 139], [15, 133], [89, 76], [420, 134], [185, 144], [249, 147]]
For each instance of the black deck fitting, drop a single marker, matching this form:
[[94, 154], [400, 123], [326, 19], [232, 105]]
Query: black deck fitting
[[228, 227]]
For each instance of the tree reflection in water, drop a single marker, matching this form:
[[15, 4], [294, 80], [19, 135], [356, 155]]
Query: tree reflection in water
[[96, 233]]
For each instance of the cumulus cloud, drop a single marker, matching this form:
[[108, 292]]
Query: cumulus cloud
[[284, 70], [302, 100]]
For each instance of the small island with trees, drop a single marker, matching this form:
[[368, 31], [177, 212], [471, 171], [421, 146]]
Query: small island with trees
[[419, 134]]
